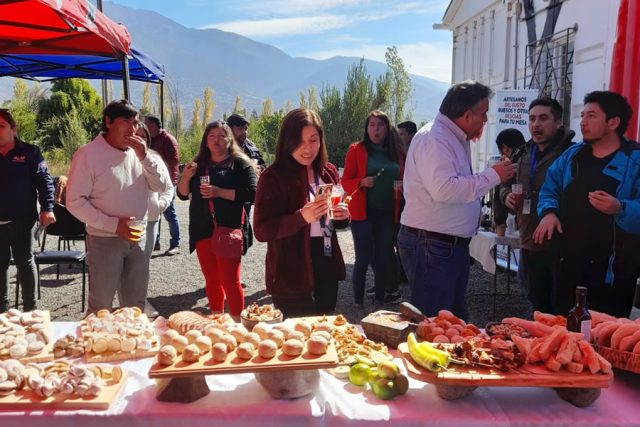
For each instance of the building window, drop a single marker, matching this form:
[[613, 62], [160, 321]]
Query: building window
[[549, 68]]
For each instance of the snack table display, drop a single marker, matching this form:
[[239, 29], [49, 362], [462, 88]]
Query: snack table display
[[239, 400]]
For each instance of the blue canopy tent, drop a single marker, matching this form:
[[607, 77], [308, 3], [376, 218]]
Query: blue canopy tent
[[44, 67]]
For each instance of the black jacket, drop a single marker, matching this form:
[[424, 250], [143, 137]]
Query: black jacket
[[24, 178], [240, 177]]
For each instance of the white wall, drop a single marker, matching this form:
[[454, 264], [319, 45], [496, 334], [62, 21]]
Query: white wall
[[492, 56]]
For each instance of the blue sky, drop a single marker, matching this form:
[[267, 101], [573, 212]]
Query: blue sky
[[321, 29]]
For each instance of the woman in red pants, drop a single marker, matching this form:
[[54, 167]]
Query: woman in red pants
[[220, 180]]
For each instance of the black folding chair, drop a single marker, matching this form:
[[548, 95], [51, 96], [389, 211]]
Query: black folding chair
[[67, 228]]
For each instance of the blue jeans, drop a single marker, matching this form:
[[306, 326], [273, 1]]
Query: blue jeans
[[438, 273], [377, 231], [172, 220]]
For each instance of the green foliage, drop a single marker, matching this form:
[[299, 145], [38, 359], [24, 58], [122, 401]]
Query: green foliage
[[23, 106], [400, 85], [69, 130], [343, 115], [264, 132], [69, 95]]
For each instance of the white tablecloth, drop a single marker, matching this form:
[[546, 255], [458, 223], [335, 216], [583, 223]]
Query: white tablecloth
[[482, 244], [238, 400]]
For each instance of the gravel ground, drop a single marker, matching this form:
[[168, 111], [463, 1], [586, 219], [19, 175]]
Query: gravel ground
[[177, 283]]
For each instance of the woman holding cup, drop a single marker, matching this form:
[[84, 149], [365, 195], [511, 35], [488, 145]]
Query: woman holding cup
[[372, 165], [304, 262], [220, 180]]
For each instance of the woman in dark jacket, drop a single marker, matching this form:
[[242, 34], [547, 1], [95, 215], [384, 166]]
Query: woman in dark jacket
[[304, 262], [220, 179]]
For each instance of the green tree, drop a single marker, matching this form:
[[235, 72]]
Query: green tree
[[68, 95], [69, 130], [237, 107], [303, 101], [312, 99], [267, 107], [400, 84], [209, 105], [146, 107], [195, 117], [23, 106]]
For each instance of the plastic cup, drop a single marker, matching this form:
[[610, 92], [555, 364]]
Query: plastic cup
[[516, 189], [204, 180]]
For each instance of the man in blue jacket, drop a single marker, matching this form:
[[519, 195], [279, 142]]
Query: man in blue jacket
[[591, 197], [24, 178]]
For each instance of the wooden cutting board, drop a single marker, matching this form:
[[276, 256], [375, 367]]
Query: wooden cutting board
[[233, 364], [114, 356], [46, 355], [28, 400], [527, 376]]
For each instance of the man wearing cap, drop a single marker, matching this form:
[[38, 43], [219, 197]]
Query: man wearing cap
[[239, 126], [167, 146]]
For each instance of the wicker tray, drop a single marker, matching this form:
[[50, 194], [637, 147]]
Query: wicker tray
[[624, 360]]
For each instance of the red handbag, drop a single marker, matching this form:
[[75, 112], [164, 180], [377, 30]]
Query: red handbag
[[226, 241]]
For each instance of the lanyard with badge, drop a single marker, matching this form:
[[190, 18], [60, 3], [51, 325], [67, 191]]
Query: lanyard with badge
[[526, 203], [325, 226]]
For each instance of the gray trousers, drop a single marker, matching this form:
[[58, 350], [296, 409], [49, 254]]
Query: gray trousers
[[116, 265]]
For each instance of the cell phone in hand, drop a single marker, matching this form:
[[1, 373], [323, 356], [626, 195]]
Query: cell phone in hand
[[324, 191]]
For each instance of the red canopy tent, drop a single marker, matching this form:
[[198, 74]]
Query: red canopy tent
[[61, 27], [625, 64]]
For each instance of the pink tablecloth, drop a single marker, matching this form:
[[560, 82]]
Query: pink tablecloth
[[238, 400]]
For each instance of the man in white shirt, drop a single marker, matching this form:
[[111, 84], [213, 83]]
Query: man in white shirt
[[108, 189], [442, 196]]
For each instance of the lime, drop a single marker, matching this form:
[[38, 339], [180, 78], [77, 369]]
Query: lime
[[387, 369], [341, 372], [364, 359], [401, 384], [384, 389], [373, 374], [378, 356], [359, 374]]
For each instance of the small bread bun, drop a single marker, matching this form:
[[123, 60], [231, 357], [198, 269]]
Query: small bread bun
[[180, 343], [292, 347], [214, 334], [253, 338], [284, 328], [303, 327], [168, 336], [267, 349], [219, 352], [167, 355], [230, 341], [246, 351], [323, 327], [191, 353], [317, 345], [238, 332], [192, 335], [204, 344], [276, 336], [324, 334], [296, 335], [261, 329]]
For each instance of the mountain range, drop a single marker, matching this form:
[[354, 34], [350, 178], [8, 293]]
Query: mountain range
[[233, 65]]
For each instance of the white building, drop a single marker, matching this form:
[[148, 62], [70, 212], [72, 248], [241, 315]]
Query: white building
[[515, 44]]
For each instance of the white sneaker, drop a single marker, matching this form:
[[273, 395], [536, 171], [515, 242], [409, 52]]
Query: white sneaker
[[173, 251]]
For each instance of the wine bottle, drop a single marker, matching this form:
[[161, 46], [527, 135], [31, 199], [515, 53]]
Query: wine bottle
[[635, 310], [579, 319]]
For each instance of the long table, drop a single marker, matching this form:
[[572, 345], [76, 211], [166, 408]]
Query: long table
[[238, 400]]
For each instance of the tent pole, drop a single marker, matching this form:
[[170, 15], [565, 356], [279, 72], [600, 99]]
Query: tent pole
[[162, 102], [125, 76], [105, 88]]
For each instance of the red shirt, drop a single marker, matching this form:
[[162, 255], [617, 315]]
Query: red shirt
[[167, 146]]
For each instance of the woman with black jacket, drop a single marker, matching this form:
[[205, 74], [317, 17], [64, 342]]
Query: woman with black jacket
[[220, 180]]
